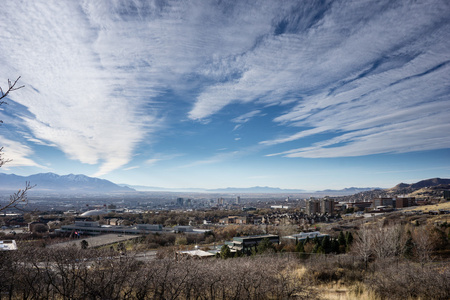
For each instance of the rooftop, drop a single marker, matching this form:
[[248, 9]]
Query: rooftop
[[8, 245]]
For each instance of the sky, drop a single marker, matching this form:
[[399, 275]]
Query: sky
[[211, 94]]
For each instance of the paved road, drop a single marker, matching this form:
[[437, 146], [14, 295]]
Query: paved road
[[16, 230], [96, 241]]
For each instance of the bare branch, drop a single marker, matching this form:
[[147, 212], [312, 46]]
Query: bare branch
[[18, 198], [3, 160], [11, 87]]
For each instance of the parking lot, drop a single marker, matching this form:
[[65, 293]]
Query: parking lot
[[96, 241]]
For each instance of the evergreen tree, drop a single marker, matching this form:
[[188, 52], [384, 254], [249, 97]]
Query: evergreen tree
[[300, 247], [317, 248], [341, 239], [316, 240], [335, 246], [326, 244], [409, 247], [349, 240], [264, 246], [84, 244], [238, 254], [225, 252]]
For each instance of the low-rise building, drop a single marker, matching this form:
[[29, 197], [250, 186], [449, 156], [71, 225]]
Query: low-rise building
[[383, 201], [196, 253], [359, 205], [302, 236], [8, 245], [94, 228], [247, 243], [234, 220], [405, 202]]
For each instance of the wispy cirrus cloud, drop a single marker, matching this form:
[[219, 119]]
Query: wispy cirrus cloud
[[367, 77], [157, 157], [245, 118], [17, 154]]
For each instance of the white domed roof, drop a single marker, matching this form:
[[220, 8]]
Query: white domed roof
[[96, 212]]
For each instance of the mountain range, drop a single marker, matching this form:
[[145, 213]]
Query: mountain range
[[67, 184]]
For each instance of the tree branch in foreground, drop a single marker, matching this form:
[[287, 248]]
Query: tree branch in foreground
[[3, 160], [11, 87], [18, 198]]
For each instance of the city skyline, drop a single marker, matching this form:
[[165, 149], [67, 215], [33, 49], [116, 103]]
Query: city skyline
[[203, 94]]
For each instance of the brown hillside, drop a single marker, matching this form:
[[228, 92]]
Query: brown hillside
[[429, 188]]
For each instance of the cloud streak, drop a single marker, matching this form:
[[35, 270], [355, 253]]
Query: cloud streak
[[17, 154]]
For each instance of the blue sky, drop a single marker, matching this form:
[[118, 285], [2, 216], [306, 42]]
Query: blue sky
[[210, 94]]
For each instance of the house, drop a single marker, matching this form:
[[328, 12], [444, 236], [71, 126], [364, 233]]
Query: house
[[37, 227], [234, 220], [8, 245]]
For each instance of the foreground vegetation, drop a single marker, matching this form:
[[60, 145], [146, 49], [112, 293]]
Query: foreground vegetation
[[392, 257], [93, 274], [75, 274]]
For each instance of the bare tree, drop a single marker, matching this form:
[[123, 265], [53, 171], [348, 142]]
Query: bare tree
[[363, 245], [387, 241], [20, 197], [423, 245]]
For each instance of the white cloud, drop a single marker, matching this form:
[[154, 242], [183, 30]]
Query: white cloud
[[131, 168], [246, 117], [17, 154], [157, 157], [152, 161], [388, 139]]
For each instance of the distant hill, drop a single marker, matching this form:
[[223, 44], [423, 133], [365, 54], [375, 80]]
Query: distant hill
[[425, 188], [67, 184], [409, 188]]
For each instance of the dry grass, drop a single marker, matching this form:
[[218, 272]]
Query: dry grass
[[426, 208], [345, 292]]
